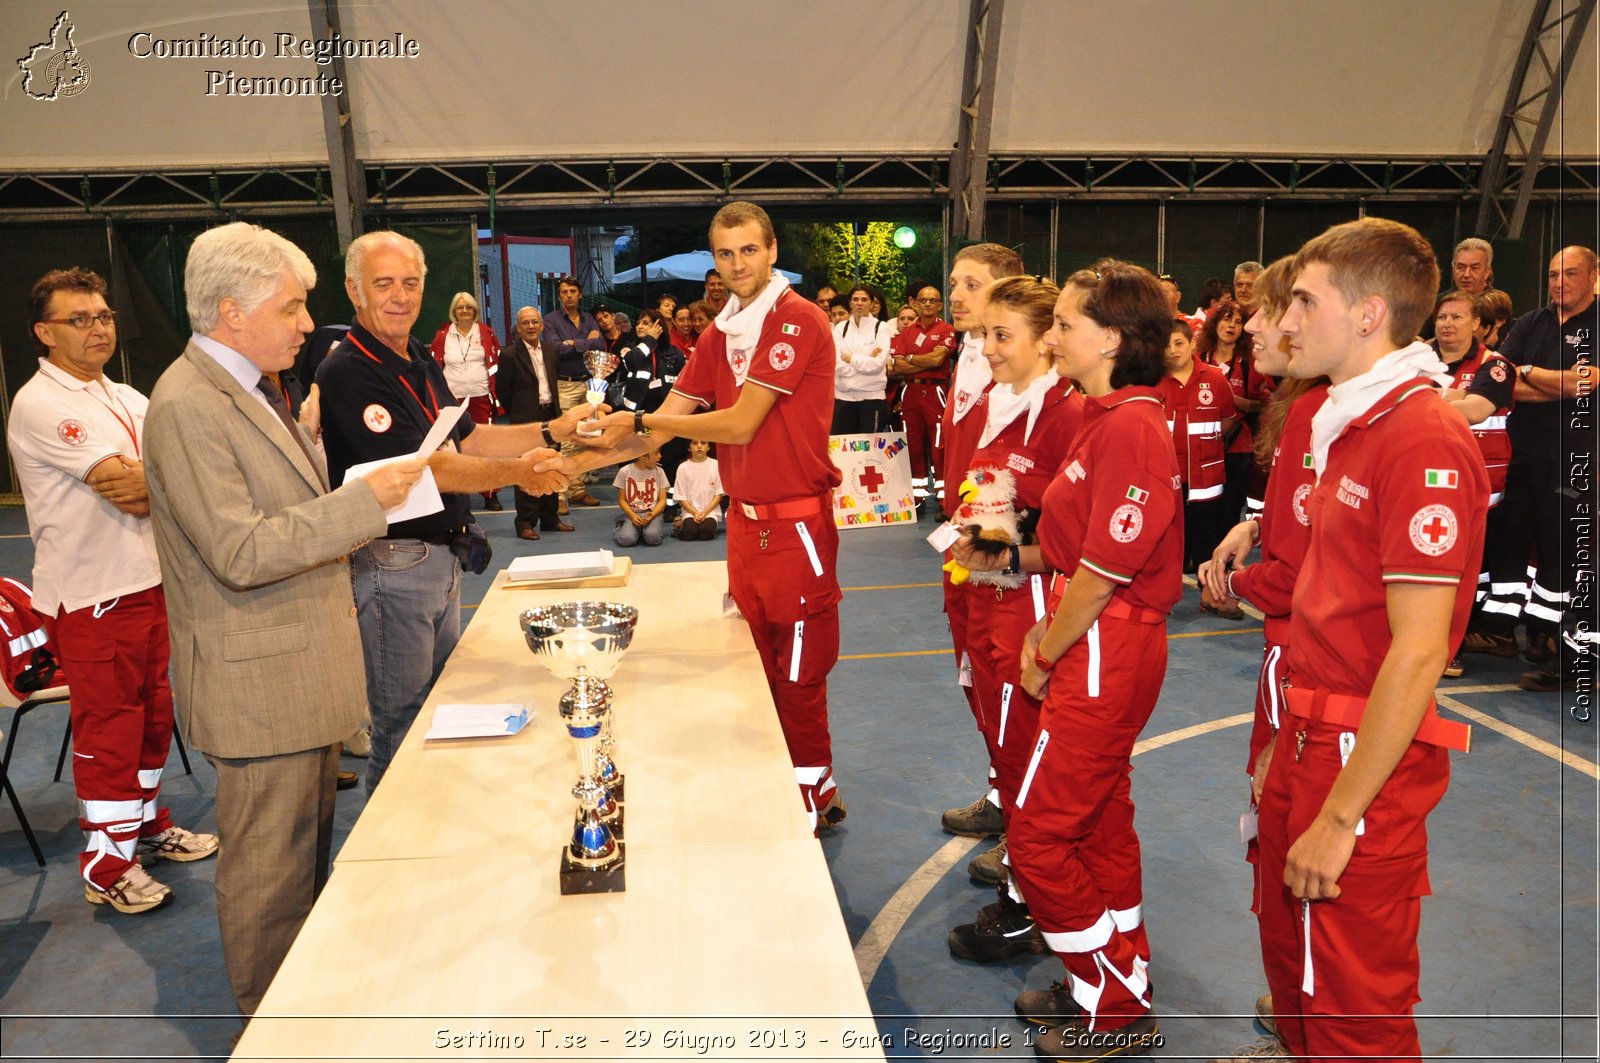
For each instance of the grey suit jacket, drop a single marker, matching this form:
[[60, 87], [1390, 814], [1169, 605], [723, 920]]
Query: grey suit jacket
[[266, 653]]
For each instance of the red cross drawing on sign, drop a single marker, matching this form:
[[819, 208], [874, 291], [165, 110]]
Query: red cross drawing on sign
[[1436, 530], [1127, 523], [871, 479]]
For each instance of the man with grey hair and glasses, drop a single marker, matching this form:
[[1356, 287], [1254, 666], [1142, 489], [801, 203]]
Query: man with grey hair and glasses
[[252, 537]]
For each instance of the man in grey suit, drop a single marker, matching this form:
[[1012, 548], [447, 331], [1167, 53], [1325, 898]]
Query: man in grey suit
[[266, 653], [527, 389]]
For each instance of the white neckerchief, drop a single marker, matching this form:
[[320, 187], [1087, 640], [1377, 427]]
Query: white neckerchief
[[741, 325], [972, 376], [1005, 403], [1356, 396]]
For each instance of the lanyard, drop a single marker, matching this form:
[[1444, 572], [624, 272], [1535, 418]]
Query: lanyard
[[432, 417], [127, 425]]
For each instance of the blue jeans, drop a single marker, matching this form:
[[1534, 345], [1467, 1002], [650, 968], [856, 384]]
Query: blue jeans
[[630, 534], [408, 597]]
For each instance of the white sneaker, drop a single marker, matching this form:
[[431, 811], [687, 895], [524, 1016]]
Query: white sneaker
[[135, 892], [360, 743], [178, 844]]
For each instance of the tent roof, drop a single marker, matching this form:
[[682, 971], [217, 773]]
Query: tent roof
[[688, 266]]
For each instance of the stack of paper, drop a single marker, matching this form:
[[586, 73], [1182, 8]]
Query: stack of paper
[[477, 721], [540, 567]]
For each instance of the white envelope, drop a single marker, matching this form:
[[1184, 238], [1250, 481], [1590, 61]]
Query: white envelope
[[477, 721], [423, 498]]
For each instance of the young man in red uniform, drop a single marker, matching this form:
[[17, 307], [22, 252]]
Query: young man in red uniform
[[1396, 537], [974, 269], [921, 361], [773, 453]]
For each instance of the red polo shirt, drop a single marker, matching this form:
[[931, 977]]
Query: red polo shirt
[[1114, 506], [1195, 412], [1402, 500], [914, 339], [1285, 520], [788, 458]]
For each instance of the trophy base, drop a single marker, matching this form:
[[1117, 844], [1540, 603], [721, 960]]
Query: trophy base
[[615, 789], [575, 878]]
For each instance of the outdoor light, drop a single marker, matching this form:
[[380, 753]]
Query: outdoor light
[[905, 237]]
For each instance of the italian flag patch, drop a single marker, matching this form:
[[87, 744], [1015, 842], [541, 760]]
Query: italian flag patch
[[1136, 495], [1306, 462], [1441, 477], [791, 330]]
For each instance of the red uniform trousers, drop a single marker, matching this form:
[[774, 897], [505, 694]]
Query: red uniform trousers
[[921, 407], [121, 714], [1269, 714], [1009, 716], [1072, 846], [782, 575], [1343, 973], [957, 605]]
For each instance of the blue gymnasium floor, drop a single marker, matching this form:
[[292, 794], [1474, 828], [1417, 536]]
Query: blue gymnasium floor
[[1508, 942]]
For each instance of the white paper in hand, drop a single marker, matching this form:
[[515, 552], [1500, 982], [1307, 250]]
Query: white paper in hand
[[442, 428], [423, 498], [944, 537]]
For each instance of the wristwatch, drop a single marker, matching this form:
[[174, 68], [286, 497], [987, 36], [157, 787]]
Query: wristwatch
[[544, 430], [1041, 662], [1523, 371], [638, 423]]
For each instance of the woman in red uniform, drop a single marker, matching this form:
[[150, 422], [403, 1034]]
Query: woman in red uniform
[[1284, 531], [1222, 343], [1031, 417], [1112, 521], [1200, 414]]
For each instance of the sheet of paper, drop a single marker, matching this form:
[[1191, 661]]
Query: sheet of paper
[[532, 567], [477, 721], [944, 537], [442, 428], [423, 498]]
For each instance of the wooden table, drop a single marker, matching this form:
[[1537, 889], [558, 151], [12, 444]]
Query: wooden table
[[442, 933]]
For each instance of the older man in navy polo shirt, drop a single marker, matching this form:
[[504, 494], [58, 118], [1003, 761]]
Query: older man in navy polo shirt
[[381, 392]]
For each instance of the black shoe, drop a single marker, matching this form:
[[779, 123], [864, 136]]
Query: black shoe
[[1075, 1044], [1049, 1007], [346, 780], [1547, 681], [978, 820], [1541, 649], [492, 503], [1492, 643], [1003, 930]]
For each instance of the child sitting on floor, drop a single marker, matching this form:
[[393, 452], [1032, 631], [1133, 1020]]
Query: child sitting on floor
[[699, 492], [642, 494]]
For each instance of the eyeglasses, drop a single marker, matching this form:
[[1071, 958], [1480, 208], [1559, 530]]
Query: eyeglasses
[[107, 318], [931, 299]]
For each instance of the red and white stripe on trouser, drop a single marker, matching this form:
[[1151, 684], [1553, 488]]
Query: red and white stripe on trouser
[[1072, 846], [797, 639], [1344, 973], [921, 406], [1010, 715], [115, 655], [958, 603], [1268, 718]]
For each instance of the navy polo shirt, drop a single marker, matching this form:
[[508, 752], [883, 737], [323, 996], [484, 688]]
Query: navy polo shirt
[[376, 404], [1541, 339]]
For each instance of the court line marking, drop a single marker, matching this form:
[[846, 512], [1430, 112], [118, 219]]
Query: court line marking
[[892, 918], [890, 587], [1516, 734], [931, 653]]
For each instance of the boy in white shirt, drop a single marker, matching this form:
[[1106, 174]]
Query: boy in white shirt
[[642, 494], [699, 491]]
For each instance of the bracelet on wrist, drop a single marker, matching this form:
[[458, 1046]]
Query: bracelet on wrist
[[1014, 565], [1041, 662]]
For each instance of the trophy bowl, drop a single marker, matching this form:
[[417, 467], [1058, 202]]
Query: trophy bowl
[[601, 364], [575, 640]]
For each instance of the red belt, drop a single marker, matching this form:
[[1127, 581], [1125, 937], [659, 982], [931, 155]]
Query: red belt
[[1346, 710], [1116, 608], [789, 507]]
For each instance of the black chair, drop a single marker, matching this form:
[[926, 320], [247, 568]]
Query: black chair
[[23, 705]]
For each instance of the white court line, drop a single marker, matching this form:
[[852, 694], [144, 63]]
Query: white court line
[[886, 925], [1517, 734]]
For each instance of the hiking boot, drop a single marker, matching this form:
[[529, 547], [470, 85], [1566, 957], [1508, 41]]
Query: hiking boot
[[1049, 1007], [989, 867], [1495, 645], [1265, 1015], [1266, 1050], [1547, 681], [978, 820], [1002, 930], [1075, 1044], [178, 844], [1455, 668], [1541, 649], [135, 892]]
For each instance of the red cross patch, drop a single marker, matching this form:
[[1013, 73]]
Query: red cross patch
[[1204, 395], [1434, 530], [72, 433], [781, 356], [1126, 523], [1498, 372], [1301, 493], [376, 418]]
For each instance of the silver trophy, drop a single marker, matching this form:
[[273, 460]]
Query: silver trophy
[[584, 642], [601, 364]]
